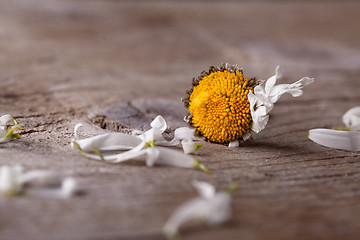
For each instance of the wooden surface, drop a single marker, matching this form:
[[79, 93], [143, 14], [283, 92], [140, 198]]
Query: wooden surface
[[117, 64]]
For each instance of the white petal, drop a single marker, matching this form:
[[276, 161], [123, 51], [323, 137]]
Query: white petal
[[69, 187], [213, 211], [185, 133], [205, 189], [263, 99], [159, 123], [108, 142], [122, 157], [190, 147], [293, 89], [155, 135], [345, 140], [234, 144], [259, 119], [174, 158], [5, 119], [352, 118], [270, 83], [152, 155], [76, 128], [39, 178], [8, 179]]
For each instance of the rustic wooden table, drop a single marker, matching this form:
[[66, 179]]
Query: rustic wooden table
[[117, 64]]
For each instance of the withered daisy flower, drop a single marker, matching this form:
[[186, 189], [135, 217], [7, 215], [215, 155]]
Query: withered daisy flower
[[225, 107]]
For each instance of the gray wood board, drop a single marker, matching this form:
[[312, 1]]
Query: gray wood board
[[114, 65]]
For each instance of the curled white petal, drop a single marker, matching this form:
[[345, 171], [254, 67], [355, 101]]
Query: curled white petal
[[159, 123], [294, 89], [190, 147], [264, 97], [185, 133], [351, 118], [205, 189], [154, 135], [5, 119], [213, 210], [345, 140], [270, 83], [76, 128]]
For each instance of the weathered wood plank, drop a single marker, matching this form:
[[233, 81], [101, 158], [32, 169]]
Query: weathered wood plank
[[64, 62]]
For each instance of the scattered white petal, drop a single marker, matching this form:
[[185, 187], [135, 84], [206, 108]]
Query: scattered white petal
[[185, 133], [212, 208], [234, 144], [106, 142], [351, 118], [159, 123], [69, 187], [5, 119], [8, 180], [190, 147], [175, 158], [345, 140], [140, 144], [36, 183], [264, 97], [205, 190]]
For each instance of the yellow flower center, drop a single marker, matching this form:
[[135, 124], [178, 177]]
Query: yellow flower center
[[219, 106]]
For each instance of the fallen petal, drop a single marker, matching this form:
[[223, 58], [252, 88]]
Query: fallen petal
[[345, 140], [352, 118], [159, 123], [109, 142], [189, 146], [214, 210], [5, 119], [294, 89], [175, 158], [69, 187], [9, 184], [205, 189]]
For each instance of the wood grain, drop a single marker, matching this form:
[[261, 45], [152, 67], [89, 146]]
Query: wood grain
[[114, 65]]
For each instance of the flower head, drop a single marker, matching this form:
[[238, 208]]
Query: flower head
[[218, 104], [225, 107]]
